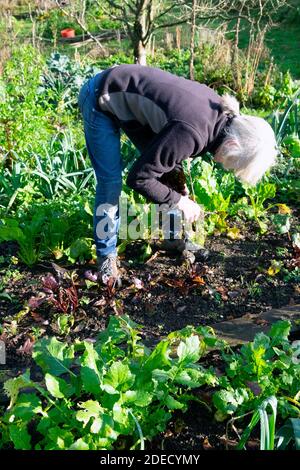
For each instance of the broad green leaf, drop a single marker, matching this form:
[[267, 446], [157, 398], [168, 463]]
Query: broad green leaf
[[27, 406], [282, 223], [53, 356], [173, 404], [96, 425], [158, 358], [90, 409], [189, 350], [90, 374], [55, 416], [13, 386], [228, 401], [280, 331], [107, 429], [101, 443], [20, 436], [57, 387], [118, 330], [101, 423], [138, 397], [44, 424], [11, 231], [261, 341], [80, 444], [163, 376], [119, 377], [195, 378], [80, 248], [61, 438], [121, 415]]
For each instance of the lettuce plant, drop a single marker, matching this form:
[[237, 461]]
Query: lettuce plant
[[112, 394]]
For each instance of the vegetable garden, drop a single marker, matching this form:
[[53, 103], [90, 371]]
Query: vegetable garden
[[88, 367]]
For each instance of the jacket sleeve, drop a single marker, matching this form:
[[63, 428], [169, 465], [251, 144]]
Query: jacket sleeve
[[176, 142]]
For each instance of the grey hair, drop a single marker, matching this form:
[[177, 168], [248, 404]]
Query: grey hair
[[249, 147]]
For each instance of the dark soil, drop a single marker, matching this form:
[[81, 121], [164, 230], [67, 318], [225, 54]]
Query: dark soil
[[164, 294]]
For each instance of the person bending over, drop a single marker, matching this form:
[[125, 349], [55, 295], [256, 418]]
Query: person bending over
[[169, 119]]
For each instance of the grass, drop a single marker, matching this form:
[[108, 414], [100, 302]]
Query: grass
[[284, 44]]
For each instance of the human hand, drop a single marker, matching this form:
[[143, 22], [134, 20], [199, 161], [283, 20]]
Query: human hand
[[191, 210]]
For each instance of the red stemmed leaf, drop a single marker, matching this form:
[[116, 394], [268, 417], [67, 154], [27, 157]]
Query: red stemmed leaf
[[50, 284]]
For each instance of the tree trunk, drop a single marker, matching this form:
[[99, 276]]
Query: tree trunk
[[140, 36], [140, 53], [192, 42], [235, 58]]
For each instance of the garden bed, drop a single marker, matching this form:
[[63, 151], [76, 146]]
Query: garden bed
[[163, 294]]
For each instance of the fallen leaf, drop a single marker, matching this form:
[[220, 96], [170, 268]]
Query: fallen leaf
[[274, 268], [253, 444], [234, 233], [59, 270], [199, 269], [177, 284], [199, 280], [206, 444], [284, 209]]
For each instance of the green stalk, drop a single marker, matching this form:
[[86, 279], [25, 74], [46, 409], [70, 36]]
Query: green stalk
[[142, 440]]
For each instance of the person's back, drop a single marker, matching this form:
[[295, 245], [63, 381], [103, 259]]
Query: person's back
[[139, 96]]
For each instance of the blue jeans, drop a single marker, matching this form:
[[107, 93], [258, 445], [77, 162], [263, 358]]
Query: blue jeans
[[102, 137]]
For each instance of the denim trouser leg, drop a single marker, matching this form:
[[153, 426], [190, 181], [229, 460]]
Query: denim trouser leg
[[103, 143]]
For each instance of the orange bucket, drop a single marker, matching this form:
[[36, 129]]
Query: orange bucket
[[67, 33]]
